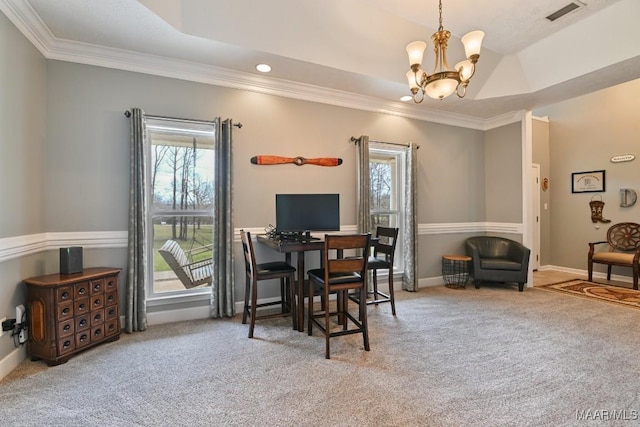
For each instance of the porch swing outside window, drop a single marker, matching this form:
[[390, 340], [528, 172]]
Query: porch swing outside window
[[181, 198]]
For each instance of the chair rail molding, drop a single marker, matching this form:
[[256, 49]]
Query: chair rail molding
[[432, 228], [470, 227], [19, 246]]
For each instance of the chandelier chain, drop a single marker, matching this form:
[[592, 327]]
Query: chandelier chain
[[440, 12]]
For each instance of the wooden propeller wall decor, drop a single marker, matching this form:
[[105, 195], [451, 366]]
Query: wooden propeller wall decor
[[299, 161]]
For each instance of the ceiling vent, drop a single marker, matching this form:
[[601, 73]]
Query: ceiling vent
[[561, 12]]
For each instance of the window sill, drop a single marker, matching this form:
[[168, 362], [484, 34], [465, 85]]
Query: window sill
[[172, 299]]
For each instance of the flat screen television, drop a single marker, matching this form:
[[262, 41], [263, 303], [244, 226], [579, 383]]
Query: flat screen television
[[298, 214]]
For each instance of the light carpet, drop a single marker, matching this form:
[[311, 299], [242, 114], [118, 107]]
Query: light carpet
[[598, 291], [475, 357]]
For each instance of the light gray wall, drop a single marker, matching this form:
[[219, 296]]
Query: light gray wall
[[22, 133], [540, 155], [88, 137], [584, 133], [22, 141], [65, 163], [450, 190], [503, 175], [450, 161]]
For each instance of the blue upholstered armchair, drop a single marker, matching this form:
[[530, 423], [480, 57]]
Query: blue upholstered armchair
[[496, 259]]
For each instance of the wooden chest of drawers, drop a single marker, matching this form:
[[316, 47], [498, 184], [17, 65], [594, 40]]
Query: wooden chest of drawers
[[69, 313]]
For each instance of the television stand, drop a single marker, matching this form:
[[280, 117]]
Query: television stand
[[308, 237]]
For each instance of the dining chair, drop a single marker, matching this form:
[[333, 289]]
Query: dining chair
[[256, 273], [384, 249], [339, 276]]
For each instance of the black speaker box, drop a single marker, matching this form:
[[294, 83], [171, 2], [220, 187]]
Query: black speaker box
[[71, 260]]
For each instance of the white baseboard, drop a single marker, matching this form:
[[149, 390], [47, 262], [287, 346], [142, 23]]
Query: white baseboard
[[596, 274], [178, 315], [430, 281], [12, 360]]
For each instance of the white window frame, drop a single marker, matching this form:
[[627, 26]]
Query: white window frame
[[380, 152], [184, 128]]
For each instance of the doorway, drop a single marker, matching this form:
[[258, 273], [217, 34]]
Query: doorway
[[535, 215]]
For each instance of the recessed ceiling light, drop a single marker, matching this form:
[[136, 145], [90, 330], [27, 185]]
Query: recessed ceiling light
[[406, 98], [263, 68]]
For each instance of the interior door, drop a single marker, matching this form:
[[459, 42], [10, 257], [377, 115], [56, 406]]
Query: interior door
[[535, 197]]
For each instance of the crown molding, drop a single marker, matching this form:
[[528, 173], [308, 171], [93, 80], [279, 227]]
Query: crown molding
[[504, 119], [22, 15], [31, 26], [541, 119]]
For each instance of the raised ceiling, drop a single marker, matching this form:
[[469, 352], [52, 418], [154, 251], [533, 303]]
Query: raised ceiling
[[349, 52]]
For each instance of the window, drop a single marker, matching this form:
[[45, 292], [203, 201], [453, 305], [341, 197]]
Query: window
[[181, 203], [386, 172]]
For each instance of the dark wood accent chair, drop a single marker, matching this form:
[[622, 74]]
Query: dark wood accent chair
[[497, 259], [340, 276], [623, 251], [191, 274], [265, 271], [382, 259]]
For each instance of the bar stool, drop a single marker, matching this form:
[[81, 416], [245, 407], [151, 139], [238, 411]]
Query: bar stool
[[340, 276], [382, 259], [266, 271]]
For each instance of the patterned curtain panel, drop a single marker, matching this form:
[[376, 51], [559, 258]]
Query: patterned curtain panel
[[364, 190], [222, 289], [137, 272], [410, 238]]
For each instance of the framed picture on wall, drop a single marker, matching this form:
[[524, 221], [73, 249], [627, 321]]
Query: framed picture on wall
[[588, 182]]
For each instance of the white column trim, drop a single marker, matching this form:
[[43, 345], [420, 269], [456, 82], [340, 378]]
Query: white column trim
[[527, 197]]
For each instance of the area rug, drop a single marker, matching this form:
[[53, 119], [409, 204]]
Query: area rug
[[582, 288]]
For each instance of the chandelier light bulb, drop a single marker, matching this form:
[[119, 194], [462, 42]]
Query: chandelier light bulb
[[472, 43], [440, 89], [415, 51], [465, 70]]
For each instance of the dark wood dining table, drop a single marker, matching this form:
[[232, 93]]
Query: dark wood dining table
[[299, 247]]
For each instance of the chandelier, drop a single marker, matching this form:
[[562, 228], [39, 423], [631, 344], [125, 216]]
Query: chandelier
[[443, 81]]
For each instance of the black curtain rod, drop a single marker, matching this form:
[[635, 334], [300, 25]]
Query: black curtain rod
[[127, 113], [357, 140]]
